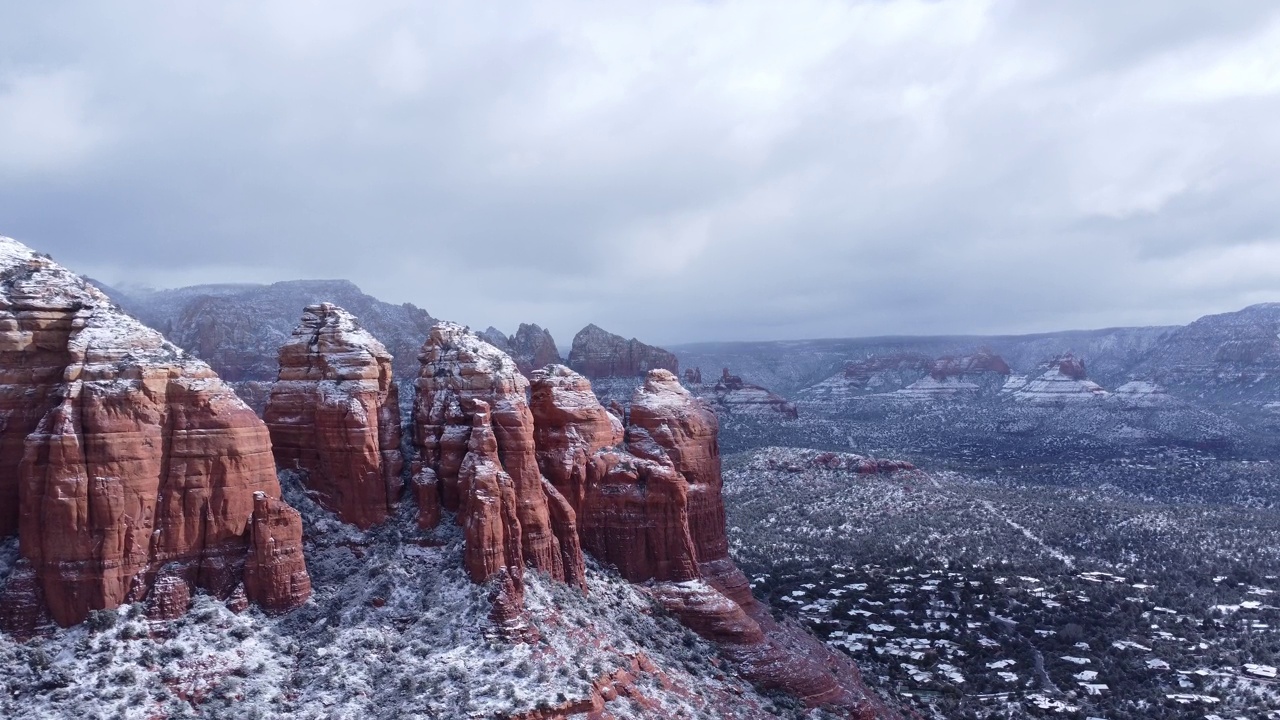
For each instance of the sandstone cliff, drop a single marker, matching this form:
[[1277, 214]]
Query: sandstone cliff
[[334, 415], [122, 457], [652, 507], [464, 381]]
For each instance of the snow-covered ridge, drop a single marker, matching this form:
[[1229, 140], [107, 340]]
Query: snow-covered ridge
[[104, 339]]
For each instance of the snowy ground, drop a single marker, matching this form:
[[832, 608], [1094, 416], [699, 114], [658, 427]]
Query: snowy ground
[[395, 630]]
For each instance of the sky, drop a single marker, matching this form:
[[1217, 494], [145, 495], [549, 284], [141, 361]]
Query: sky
[[676, 171]]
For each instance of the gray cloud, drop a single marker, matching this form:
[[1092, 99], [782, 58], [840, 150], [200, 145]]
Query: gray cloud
[[676, 171]]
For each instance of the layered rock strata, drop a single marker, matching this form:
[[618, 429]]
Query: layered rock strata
[[652, 506], [735, 396], [334, 416], [598, 353], [468, 391], [1064, 380], [122, 457]]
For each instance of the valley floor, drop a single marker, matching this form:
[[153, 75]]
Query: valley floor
[[1022, 593]]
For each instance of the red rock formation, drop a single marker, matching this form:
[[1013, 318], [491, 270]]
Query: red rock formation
[[671, 427], [490, 521], [632, 513], [334, 416], [570, 427], [981, 361], [533, 347], [597, 353], [1071, 366], [426, 492], [170, 597], [23, 612], [275, 575], [141, 459], [693, 376], [460, 375], [733, 395], [654, 511]]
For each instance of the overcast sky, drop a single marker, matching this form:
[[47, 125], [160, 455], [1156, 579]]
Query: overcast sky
[[675, 171]]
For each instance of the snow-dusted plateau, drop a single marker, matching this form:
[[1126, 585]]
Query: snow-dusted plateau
[[302, 502]]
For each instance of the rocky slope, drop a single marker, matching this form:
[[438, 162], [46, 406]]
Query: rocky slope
[[597, 353], [128, 469], [651, 507], [334, 415], [1224, 357]]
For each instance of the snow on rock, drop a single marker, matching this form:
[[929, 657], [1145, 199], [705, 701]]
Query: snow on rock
[[334, 415], [395, 629], [1063, 381], [734, 396], [122, 457], [464, 378]]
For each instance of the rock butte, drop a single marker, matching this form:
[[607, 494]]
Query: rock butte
[[652, 507], [468, 392], [598, 353], [123, 460], [736, 396], [1065, 380], [334, 416]]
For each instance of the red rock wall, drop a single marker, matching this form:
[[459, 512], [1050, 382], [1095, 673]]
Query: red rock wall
[[654, 510], [334, 416], [460, 375], [145, 459]]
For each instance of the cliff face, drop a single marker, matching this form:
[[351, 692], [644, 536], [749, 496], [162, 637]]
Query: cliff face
[[597, 353], [464, 378], [134, 458], [334, 415], [653, 508]]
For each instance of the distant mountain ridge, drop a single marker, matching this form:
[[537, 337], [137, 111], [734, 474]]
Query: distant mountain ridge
[[237, 328]]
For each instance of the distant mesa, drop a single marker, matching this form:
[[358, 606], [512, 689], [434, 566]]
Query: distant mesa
[[959, 366], [867, 374], [129, 471], [1064, 380], [735, 396], [957, 375], [597, 353]]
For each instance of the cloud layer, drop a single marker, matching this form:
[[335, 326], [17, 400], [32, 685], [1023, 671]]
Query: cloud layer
[[675, 170]]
